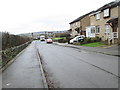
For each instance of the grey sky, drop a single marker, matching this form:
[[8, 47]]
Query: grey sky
[[24, 16]]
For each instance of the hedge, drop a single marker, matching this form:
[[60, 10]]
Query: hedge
[[10, 53]]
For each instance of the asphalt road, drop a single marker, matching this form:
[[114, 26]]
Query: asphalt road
[[66, 68], [75, 68]]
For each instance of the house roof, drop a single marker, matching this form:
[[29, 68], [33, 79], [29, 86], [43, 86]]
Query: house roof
[[109, 5], [79, 18]]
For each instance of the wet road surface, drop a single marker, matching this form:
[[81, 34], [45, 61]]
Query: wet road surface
[[24, 72], [75, 68], [66, 68]]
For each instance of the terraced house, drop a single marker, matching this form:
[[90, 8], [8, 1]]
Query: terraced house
[[78, 26], [101, 23], [104, 23]]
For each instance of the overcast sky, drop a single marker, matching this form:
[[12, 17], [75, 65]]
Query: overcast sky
[[26, 16]]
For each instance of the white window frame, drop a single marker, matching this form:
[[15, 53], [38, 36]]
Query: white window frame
[[92, 30], [73, 25], [97, 16], [97, 27], [106, 12], [76, 23], [107, 28]]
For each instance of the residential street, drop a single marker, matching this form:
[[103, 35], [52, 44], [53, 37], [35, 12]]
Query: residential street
[[57, 44], [65, 67], [76, 68]]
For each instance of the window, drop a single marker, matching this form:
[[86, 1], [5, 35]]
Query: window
[[107, 29], [92, 29], [97, 29], [98, 16], [73, 25], [76, 23], [106, 13]]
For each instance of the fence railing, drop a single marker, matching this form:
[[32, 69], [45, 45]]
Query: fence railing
[[115, 34]]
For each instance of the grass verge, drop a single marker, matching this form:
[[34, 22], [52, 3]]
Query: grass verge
[[95, 44], [58, 38]]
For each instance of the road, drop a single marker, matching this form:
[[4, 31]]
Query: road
[[65, 67], [75, 68]]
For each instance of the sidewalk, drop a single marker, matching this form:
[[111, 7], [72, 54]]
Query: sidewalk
[[110, 50], [24, 72]]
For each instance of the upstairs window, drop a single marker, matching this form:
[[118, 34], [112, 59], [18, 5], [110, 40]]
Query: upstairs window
[[106, 13], [73, 25], [76, 23], [97, 16]]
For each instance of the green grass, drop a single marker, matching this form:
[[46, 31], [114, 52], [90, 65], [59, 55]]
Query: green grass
[[96, 44], [58, 38]]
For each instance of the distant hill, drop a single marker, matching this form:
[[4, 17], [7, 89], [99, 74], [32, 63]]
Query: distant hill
[[35, 34]]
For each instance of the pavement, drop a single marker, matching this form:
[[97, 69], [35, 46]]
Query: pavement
[[108, 50], [24, 72]]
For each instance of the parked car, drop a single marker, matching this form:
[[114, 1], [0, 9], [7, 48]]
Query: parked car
[[77, 39], [49, 40]]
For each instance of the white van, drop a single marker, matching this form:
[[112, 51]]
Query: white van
[[42, 38]]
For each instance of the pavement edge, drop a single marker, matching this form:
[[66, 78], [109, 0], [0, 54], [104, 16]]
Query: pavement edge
[[88, 50], [11, 61], [42, 71]]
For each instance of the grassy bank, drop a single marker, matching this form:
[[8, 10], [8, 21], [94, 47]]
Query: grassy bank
[[95, 44], [58, 38]]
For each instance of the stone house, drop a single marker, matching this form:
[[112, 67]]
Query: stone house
[[104, 23], [78, 26]]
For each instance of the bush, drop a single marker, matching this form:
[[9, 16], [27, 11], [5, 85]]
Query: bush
[[10, 40], [62, 40], [98, 39], [91, 40], [87, 40]]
